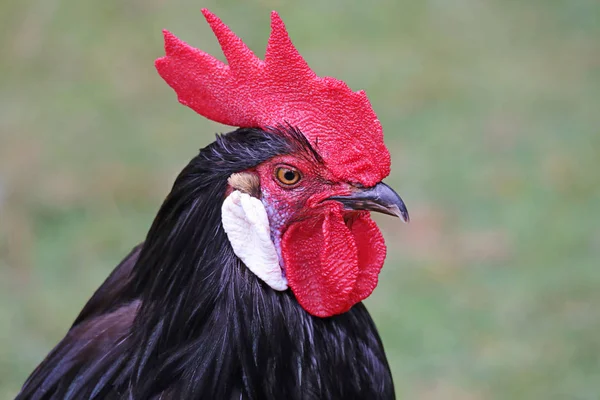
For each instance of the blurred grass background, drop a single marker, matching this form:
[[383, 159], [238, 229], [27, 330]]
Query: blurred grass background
[[491, 110]]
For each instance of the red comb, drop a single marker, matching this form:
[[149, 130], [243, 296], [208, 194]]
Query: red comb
[[282, 89]]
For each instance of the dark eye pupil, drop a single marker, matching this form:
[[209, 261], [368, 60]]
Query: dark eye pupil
[[289, 175]]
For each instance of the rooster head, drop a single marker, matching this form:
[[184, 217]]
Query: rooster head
[[302, 219]]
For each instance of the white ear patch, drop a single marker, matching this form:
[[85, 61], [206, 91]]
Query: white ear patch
[[246, 224]]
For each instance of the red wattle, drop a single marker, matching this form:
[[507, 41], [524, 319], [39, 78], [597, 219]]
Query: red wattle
[[371, 255], [329, 266]]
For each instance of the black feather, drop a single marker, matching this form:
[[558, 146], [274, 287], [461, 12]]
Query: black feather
[[182, 318]]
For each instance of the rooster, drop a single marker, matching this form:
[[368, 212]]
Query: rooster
[[250, 280]]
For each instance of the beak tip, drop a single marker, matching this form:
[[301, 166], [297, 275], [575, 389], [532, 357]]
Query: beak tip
[[401, 213]]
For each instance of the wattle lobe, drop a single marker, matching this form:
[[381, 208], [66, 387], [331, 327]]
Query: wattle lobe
[[331, 265]]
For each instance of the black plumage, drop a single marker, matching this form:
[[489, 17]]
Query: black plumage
[[182, 318]]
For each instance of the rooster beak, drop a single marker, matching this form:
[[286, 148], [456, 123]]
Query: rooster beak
[[380, 198]]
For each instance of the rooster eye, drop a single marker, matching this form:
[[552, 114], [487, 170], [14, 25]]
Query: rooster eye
[[287, 176]]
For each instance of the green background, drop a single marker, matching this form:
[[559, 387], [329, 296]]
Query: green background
[[491, 111]]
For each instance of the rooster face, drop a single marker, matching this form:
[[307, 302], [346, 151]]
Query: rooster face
[[327, 246], [300, 186]]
